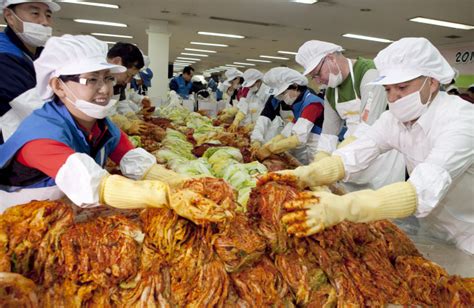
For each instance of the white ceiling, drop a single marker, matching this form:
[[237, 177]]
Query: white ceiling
[[285, 25]]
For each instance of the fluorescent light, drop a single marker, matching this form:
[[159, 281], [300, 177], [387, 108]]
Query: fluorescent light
[[106, 5], [367, 38], [2, 25], [200, 50], [221, 34], [287, 52], [184, 58], [184, 61], [258, 60], [305, 1], [194, 54], [272, 57], [243, 63], [442, 23], [102, 23], [112, 35], [110, 42], [209, 44], [233, 65]]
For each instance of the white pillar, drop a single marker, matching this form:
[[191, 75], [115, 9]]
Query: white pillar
[[158, 51]]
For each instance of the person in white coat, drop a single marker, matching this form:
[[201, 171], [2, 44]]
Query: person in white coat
[[301, 136], [352, 104], [251, 106], [435, 133]]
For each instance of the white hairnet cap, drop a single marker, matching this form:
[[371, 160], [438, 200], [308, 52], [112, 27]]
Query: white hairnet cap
[[206, 75], [231, 74], [409, 58], [71, 55], [312, 52], [251, 76], [54, 7], [280, 78]]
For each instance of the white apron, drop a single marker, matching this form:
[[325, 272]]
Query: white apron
[[388, 168]]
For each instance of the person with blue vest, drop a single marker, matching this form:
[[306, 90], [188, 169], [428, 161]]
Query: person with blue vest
[[142, 81], [28, 29], [302, 134], [183, 84], [61, 149]]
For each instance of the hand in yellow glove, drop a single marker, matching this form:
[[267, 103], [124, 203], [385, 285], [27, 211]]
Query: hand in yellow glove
[[131, 115], [323, 172], [277, 146], [120, 192], [137, 127], [312, 212], [346, 141], [235, 124], [255, 146], [146, 102]]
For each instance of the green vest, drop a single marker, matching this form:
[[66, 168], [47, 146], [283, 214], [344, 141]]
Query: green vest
[[345, 89]]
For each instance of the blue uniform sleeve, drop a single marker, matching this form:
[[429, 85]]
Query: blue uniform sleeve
[[18, 76]]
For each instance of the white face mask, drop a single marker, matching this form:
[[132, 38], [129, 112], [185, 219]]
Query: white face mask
[[335, 80], [33, 34], [93, 110], [289, 100], [410, 107]]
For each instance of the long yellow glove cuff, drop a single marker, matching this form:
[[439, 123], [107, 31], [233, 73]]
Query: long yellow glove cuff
[[160, 173], [346, 141], [320, 155], [123, 193], [393, 201], [284, 145], [324, 172]]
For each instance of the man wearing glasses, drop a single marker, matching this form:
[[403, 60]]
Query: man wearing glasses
[[350, 104], [28, 29], [131, 57]]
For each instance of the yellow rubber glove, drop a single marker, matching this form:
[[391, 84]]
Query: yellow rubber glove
[[120, 192], [160, 173], [255, 146], [137, 127], [312, 212], [346, 141], [284, 145], [235, 124], [264, 151], [324, 172]]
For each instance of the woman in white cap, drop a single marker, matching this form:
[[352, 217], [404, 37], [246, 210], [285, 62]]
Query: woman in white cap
[[231, 89], [302, 134], [434, 132], [352, 104], [61, 149], [28, 29], [252, 104]]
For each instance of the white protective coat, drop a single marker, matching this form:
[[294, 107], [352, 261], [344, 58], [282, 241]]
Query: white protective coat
[[359, 114], [439, 154]]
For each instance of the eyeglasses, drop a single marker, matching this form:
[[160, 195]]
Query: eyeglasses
[[97, 82], [317, 75]]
